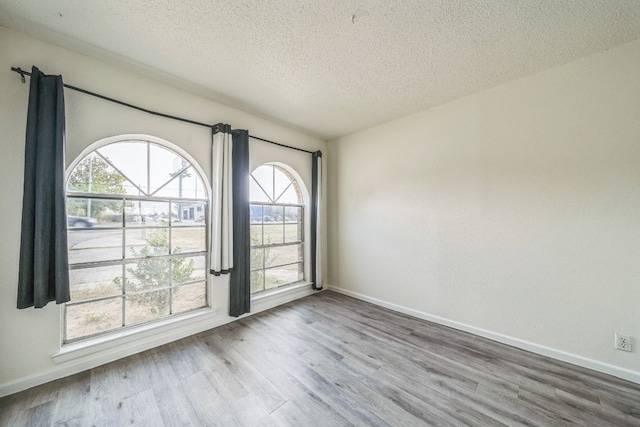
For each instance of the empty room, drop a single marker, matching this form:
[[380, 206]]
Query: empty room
[[329, 213]]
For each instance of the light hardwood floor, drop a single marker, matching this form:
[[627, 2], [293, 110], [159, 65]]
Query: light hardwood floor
[[330, 360]]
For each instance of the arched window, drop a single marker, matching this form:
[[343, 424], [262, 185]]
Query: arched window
[[277, 228], [137, 227]]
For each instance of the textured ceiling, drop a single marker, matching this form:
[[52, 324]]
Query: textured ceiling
[[331, 67]]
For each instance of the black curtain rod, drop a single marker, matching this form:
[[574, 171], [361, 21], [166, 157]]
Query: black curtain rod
[[154, 113], [106, 98], [282, 145]]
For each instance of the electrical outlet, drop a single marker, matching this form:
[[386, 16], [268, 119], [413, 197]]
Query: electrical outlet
[[623, 342]]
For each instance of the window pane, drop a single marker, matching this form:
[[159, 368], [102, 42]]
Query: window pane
[[141, 243], [257, 281], [256, 235], [186, 184], [293, 233], [147, 306], [282, 182], [190, 239], [188, 297], [147, 274], [256, 214], [130, 158], [292, 195], [93, 317], [280, 276], [292, 214], [273, 234], [187, 213], [188, 269], [78, 180], [200, 267], [96, 282], [256, 192], [264, 176], [257, 258], [86, 213], [165, 164], [280, 255], [273, 214], [192, 186], [145, 213], [95, 175], [91, 245]]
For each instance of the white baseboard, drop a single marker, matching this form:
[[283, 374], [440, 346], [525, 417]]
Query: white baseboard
[[606, 368], [88, 357]]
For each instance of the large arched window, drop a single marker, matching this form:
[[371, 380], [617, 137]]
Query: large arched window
[[277, 228], [137, 227]]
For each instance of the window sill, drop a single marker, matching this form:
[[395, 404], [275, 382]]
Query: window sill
[[278, 291], [106, 348], [148, 335]]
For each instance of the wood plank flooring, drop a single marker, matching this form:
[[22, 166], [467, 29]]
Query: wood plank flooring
[[330, 360]]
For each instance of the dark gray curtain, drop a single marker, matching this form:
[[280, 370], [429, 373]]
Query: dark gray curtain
[[44, 269], [316, 170], [240, 280]]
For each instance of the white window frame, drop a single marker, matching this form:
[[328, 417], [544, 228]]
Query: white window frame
[[188, 316], [303, 220]]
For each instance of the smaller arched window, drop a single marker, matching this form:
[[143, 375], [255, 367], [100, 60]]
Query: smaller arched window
[[137, 221], [277, 228]]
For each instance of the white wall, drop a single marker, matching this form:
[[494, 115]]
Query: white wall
[[514, 213], [29, 337]]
